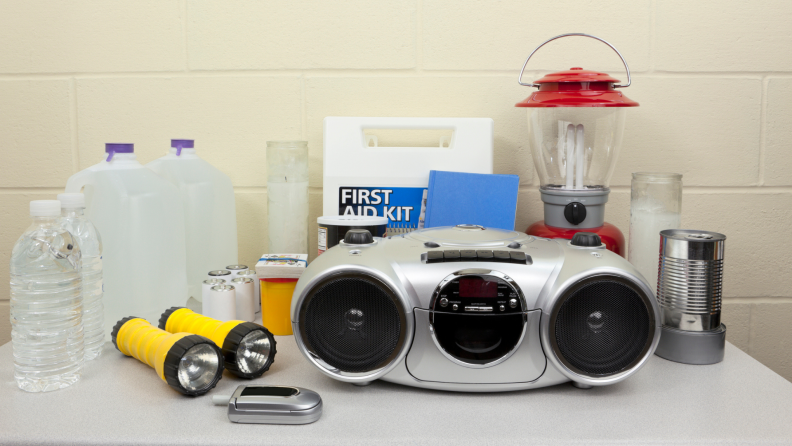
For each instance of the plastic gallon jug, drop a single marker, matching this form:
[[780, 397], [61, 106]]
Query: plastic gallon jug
[[141, 219], [209, 210]]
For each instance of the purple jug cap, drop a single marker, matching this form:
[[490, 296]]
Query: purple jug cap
[[180, 144], [113, 148]]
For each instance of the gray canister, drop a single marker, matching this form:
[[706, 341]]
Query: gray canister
[[690, 294]]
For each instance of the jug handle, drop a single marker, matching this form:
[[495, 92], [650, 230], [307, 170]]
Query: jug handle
[[81, 179]]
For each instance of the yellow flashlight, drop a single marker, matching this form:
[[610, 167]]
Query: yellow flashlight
[[189, 363], [248, 348]]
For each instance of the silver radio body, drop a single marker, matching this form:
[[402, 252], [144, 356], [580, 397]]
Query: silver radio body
[[471, 309]]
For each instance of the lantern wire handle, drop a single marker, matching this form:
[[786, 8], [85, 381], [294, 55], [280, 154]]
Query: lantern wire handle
[[528, 84]]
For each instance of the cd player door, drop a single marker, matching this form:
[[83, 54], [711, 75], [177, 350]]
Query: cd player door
[[476, 348]]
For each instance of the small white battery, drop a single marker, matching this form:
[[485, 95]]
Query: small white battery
[[236, 269], [245, 305], [251, 273], [206, 286], [222, 303], [217, 274]]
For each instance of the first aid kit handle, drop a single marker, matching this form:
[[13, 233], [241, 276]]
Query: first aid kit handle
[[349, 132]]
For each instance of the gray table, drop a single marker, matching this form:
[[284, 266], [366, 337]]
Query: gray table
[[122, 401]]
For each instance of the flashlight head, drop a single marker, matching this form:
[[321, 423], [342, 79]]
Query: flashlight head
[[189, 363], [194, 365], [249, 350]]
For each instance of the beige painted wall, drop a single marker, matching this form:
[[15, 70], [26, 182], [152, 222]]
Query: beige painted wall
[[714, 81]]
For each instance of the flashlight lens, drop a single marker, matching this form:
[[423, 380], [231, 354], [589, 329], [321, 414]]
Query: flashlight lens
[[198, 367], [253, 352]]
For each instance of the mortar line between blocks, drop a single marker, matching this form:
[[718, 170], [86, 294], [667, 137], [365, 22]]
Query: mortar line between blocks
[[751, 333], [184, 36], [368, 73], [303, 110], [419, 61], [75, 138], [652, 34], [30, 190], [763, 129]]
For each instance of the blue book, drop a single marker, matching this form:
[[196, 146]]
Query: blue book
[[471, 198]]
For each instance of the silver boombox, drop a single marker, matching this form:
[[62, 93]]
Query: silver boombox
[[471, 309]]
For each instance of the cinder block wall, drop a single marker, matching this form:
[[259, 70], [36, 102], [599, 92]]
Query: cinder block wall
[[714, 81]]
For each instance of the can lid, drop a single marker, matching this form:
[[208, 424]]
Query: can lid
[[242, 280], [690, 244], [352, 220], [236, 267], [693, 235]]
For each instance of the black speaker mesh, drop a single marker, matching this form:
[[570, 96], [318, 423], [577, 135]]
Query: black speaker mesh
[[352, 323], [603, 327]]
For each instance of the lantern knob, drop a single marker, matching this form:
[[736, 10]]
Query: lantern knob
[[575, 213]]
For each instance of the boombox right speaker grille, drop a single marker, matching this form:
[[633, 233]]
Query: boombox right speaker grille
[[353, 322], [602, 326]]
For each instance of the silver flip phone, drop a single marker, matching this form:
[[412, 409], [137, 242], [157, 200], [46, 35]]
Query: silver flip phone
[[272, 405]]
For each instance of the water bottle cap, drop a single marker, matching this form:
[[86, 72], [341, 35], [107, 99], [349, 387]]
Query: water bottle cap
[[71, 200], [180, 144], [45, 208]]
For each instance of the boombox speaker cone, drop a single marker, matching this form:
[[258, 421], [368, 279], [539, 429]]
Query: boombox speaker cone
[[602, 326], [353, 322]]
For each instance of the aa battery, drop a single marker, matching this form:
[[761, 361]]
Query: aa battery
[[206, 286], [223, 274], [245, 304], [251, 274], [236, 269], [222, 303]]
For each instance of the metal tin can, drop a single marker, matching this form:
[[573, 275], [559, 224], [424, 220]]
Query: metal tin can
[[690, 281]]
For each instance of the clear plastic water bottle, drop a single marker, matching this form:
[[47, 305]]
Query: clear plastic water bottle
[[90, 241], [46, 303]]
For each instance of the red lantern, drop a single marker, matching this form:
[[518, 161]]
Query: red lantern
[[576, 123]]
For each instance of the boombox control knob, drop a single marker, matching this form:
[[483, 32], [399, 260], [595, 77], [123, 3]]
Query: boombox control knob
[[358, 237], [588, 239]]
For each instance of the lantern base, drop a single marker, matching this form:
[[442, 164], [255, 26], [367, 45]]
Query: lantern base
[[574, 208], [611, 236]]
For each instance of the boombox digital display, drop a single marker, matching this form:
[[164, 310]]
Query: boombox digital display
[[466, 308]]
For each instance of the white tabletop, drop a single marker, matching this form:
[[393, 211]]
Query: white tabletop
[[122, 401]]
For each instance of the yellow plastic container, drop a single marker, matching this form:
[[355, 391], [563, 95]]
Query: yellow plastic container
[[276, 296]]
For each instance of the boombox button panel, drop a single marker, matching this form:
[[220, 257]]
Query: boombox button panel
[[478, 309], [482, 255]]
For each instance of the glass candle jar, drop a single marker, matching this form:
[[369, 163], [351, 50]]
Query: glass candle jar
[[287, 196], [655, 205]]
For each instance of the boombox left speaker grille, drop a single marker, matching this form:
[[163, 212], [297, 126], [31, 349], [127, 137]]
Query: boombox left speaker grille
[[353, 322], [602, 326]]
